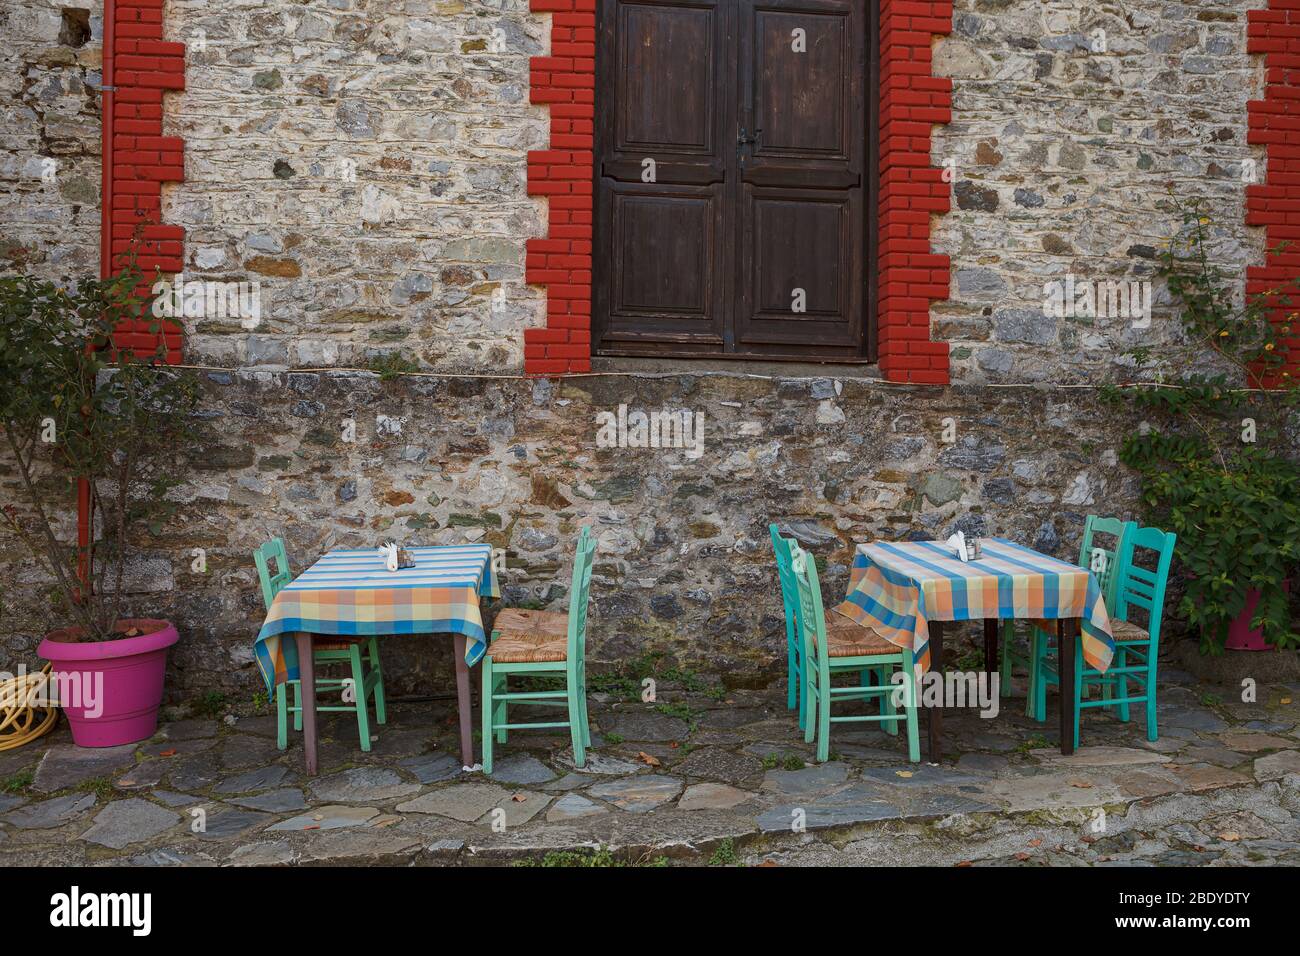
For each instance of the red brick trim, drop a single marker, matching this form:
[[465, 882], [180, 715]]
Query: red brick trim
[[1274, 123], [138, 67], [908, 275], [562, 261]]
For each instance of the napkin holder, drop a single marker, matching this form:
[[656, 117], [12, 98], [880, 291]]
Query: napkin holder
[[395, 558], [964, 549]]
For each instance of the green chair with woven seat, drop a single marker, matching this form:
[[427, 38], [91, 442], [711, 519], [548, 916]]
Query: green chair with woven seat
[[541, 644], [854, 650], [1136, 588], [794, 675], [366, 676], [1104, 563]]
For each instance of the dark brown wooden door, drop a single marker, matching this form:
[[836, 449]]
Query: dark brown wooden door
[[731, 193]]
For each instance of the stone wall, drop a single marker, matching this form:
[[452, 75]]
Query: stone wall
[[1071, 124], [49, 137], [684, 566], [364, 160]]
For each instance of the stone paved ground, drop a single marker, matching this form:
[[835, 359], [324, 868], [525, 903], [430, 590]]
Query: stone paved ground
[[700, 776]]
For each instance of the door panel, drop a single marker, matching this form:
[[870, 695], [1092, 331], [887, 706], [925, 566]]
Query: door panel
[[730, 195], [661, 48], [801, 100], [800, 273], [663, 284], [801, 232]]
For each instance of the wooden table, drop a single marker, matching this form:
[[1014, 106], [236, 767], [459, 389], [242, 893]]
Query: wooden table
[[1067, 630], [307, 674], [348, 593], [907, 591]]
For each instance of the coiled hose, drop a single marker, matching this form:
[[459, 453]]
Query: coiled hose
[[22, 717]]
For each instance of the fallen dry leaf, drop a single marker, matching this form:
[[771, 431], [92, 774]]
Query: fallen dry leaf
[[964, 863], [1230, 836], [518, 798], [168, 753], [1286, 700], [1035, 842], [646, 759], [1081, 784], [1088, 839], [1022, 856], [903, 773]]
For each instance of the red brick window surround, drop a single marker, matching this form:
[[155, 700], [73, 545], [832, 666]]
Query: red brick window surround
[[138, 67], [909, 276], [1274, 123]]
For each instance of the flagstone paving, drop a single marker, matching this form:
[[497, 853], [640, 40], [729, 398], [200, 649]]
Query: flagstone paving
[[691, 778]]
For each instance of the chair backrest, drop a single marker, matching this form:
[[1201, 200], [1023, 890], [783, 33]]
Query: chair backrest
[[272, 581], [1145, 587], [584, 556], [812, 616], [1107, 564], [789, 589]]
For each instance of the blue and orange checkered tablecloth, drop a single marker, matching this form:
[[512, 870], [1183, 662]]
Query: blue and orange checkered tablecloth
[[897, 588], [349, 592]]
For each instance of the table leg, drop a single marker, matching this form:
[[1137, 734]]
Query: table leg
[[934, 715], [1065, 636], [307, 695], [991, 645], [463, 703]]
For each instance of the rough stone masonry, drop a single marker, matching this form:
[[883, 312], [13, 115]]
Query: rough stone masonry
[[365, 161]]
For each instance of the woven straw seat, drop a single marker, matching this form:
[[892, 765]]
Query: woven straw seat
[[529, 637], [1126, 632], [1122, 631], [336, 643], [847, 639]]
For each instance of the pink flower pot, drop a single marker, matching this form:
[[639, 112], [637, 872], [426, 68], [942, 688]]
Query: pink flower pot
[[110, 690], [1240, 635]]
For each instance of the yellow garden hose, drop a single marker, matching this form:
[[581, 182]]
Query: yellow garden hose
[[22, 719]]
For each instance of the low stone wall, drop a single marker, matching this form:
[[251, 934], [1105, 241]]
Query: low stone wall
[[684, 566]]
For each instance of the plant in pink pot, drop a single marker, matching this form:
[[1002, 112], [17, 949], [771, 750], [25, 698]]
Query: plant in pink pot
[[1217, 454], [81, 418]]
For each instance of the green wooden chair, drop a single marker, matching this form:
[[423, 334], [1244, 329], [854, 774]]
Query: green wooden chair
[[367, 676], [790, 603], [1136, 648], [853, 649], [1103, 562], [541, 644], [794, 675]]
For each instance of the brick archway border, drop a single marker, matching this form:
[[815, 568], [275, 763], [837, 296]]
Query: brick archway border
[[909, 276], [1274, 123], [138, 67]]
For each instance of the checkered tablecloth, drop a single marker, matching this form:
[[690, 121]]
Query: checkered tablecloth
[[897, 588], [349, 592]]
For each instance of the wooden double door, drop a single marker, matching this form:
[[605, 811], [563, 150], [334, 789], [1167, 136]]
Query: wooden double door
[[733, 140]]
